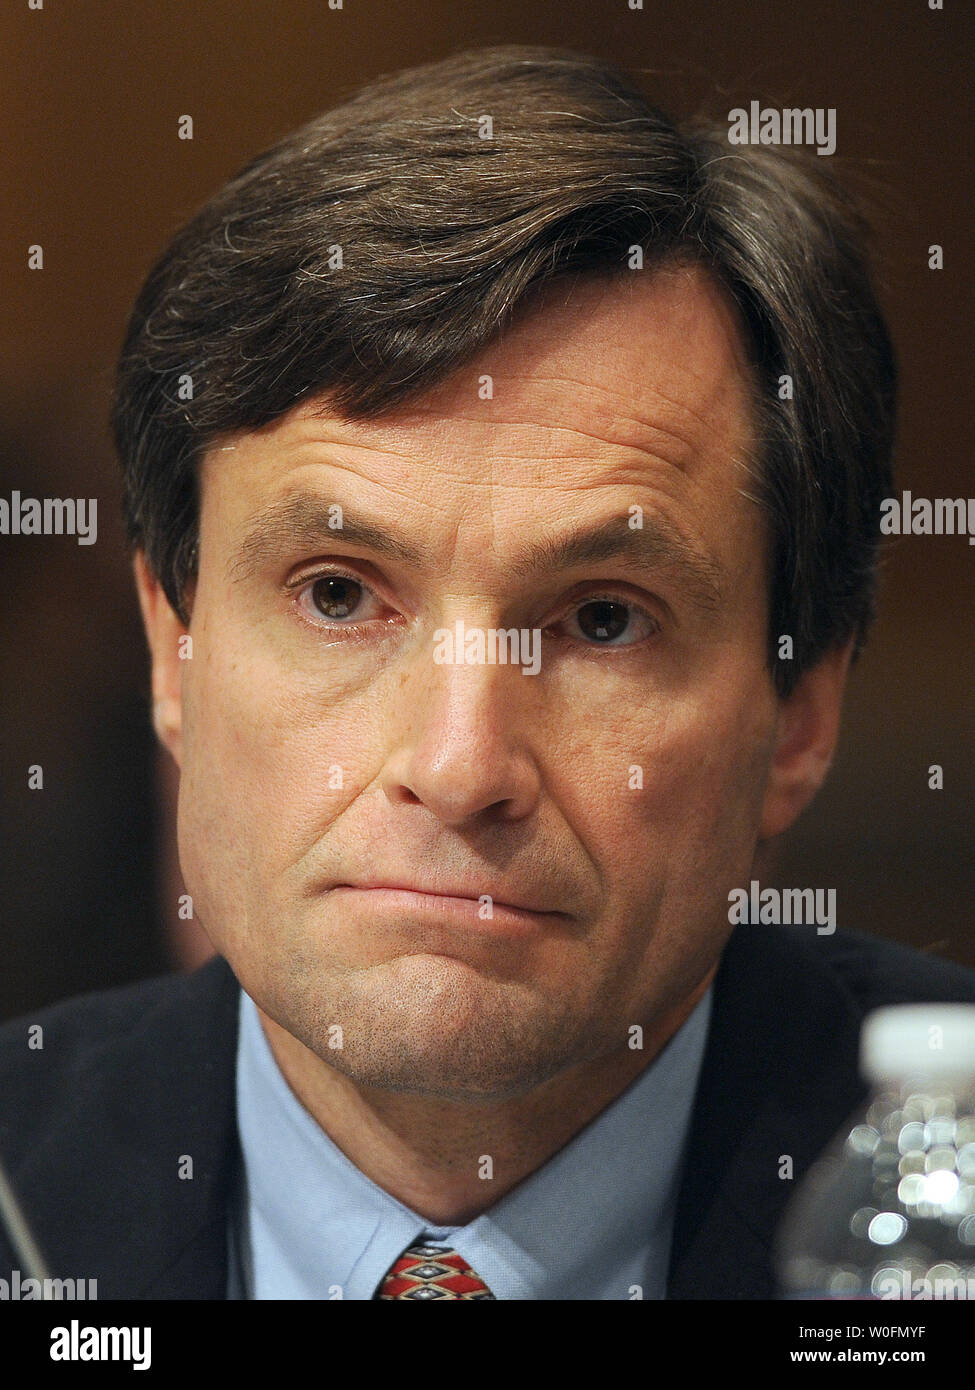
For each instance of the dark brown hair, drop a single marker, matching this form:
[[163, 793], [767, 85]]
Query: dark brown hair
[[443, 234]]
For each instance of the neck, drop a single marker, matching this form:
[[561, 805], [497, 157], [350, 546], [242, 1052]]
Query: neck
[[429, 1153]]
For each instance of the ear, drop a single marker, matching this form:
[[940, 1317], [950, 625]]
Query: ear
[[808, 726], [168, 638]]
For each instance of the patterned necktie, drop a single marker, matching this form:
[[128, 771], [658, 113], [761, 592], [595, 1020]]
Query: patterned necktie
[[428, 1272]]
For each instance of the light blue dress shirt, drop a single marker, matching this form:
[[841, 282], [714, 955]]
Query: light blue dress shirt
[[594, 1222]]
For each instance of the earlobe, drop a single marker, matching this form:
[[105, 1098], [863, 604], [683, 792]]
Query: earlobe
[[808, 728], [163, 629]]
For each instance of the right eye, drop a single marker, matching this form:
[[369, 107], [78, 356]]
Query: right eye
[[338, 599]]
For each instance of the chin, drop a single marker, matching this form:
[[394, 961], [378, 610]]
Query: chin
[[482, 1080], [438, 1027]]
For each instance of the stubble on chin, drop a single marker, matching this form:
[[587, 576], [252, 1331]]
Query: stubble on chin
[[436, 1027]]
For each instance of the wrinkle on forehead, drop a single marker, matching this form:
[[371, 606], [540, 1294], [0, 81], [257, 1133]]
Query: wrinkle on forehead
[[638, 382], [656, 364]]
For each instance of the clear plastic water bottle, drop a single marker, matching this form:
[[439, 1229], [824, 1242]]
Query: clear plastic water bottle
[[888, 1212]]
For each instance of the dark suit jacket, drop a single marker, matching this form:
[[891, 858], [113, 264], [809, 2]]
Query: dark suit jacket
[[94, 1126]]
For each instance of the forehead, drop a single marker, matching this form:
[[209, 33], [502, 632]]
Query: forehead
[[640, 382]]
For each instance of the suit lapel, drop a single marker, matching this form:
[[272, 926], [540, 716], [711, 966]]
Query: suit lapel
[[132, 1184], [779, 1078]]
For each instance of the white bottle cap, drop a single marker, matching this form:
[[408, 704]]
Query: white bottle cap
[[915, 1040]]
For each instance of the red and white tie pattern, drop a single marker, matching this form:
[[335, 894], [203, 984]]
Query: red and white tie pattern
[[427, 1273]]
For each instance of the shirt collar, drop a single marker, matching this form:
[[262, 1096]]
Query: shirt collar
[[597, 1214]]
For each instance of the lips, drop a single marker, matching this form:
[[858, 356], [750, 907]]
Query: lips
[[502, 898]]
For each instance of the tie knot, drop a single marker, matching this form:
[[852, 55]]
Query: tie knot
[[426, 1273]]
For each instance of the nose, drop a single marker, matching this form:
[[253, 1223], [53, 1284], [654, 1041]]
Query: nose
[[464, 749]]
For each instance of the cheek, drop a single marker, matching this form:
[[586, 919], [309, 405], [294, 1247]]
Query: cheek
[[707, 766], [268, 764], [706, 792], [257, 729], [673, 794]]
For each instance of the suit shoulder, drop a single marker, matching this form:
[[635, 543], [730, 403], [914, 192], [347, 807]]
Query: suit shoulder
[[95, 1044], [877, 972], [91, 1021], [126, 1084]]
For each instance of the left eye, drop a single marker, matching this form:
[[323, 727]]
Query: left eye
[[610, 622], [339, 598]]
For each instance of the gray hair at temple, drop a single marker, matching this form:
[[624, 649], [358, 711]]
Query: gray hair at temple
[[445, 234]]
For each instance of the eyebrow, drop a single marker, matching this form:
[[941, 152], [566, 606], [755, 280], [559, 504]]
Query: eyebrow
[[300, 521], [654, 545]]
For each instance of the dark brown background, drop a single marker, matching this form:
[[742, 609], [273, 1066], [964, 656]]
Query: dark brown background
[[92, 169]]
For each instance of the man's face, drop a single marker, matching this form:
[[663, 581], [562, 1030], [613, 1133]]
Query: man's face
[[327, 757]]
